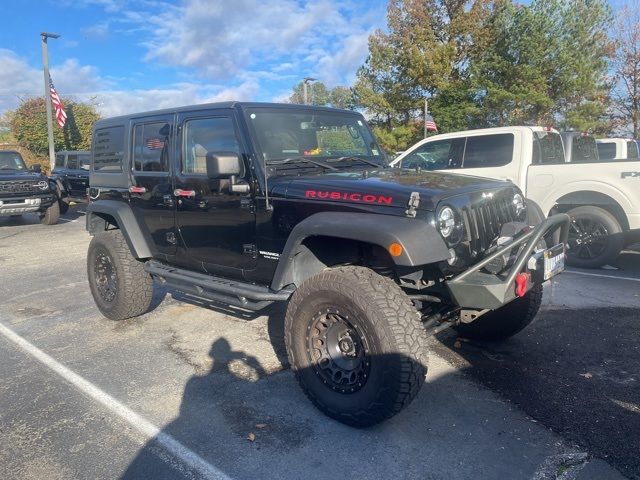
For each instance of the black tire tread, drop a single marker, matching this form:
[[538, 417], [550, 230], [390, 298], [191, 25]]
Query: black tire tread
[[51, 214], [397, 322], [135, 285]]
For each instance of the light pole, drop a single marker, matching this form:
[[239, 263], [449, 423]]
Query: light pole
[[305, 83], [47, 94]]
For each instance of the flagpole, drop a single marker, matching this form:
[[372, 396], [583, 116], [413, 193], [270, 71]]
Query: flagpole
[[47, 95], [426, 112]]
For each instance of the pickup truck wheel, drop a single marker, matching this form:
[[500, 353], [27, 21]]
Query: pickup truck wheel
[[356, 345], [595, 237], [506, 321], [51, 214], [119, 284]]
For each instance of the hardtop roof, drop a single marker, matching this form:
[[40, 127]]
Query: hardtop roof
[[206, 106]]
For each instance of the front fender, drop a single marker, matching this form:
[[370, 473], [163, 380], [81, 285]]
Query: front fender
[[421, 243]]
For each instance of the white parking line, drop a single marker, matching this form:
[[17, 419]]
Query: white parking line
[[149, 430], [587, 274]]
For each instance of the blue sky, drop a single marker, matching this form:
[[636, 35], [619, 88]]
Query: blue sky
[[128, 56]]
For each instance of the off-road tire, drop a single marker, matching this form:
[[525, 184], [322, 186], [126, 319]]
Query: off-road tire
[[378, 311], [51, 214], [64, 207], [132, 285], [614, 240], [506, 321]]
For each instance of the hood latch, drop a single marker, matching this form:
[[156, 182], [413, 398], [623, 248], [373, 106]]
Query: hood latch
[[412, 205]]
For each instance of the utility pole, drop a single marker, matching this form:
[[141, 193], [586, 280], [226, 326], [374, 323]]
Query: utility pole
[[47, 94], [426, 112], [305, 83]]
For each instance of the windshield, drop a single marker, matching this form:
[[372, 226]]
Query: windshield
[[288, 134], [11, 161]]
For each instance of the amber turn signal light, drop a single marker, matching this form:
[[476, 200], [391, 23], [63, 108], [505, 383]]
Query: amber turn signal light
[[395, 249]]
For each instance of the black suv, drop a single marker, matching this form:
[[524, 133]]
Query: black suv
[[249, 204], [24, 190], [72, 170]]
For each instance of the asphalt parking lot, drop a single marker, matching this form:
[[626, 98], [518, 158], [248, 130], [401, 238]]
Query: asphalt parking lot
[[193, 390]]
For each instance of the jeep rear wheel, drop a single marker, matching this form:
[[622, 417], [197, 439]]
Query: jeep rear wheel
[[119, 284], [51, 214], [506, 321], [356, 345]]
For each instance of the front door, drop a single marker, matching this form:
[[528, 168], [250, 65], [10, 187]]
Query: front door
[[151, 195], [216, 226]]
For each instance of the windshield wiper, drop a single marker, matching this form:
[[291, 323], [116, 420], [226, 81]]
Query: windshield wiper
[[353, 157], [319, 163]]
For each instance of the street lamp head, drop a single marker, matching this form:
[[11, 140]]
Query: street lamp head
[[309, 79], [45, 35]]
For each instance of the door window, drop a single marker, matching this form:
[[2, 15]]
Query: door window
[[632, 149], [438, 155], [72, 161], [60, 160], [151, 147], [488, 151], [203, 136], [108, 147]]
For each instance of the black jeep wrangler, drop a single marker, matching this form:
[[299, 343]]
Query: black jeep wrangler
[[249, 204], [72, 170], [24, 190]]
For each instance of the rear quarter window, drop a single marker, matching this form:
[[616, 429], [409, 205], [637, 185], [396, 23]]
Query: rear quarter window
[[108, 149], [607, 151]]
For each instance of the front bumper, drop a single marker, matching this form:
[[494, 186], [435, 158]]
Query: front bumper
[[478, 289], [20, 205]]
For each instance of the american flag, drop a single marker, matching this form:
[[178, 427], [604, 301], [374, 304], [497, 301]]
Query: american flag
[[430, 124], [155, 143], [61, 116]]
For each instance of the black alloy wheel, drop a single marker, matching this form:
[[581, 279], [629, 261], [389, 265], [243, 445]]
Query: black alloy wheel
[[338, 353], [105, 276], [595, 237]]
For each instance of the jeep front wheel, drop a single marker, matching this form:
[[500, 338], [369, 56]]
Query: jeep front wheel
[[51, 214], [506, 321], [119, 284], [356, 345]]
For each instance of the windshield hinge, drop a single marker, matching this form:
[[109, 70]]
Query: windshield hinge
[[412, 205]]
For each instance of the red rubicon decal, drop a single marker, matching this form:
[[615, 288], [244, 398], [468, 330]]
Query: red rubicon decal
[[350, 197]]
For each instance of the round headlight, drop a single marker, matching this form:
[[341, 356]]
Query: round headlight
[[519, 205], [446, 221]]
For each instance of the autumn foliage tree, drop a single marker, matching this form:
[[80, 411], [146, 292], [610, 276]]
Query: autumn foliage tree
[[28, 124]]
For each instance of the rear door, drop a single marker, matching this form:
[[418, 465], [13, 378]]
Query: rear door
[[153, 139], [216, 226]]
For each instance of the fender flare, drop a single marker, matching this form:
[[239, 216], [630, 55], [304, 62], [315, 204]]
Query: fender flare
[[421, 243], [127, 223]]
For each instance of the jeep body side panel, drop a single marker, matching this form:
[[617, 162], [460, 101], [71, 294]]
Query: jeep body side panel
[[121, 212], [421, 243]]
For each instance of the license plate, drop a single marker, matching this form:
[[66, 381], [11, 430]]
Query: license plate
[[553, 261]]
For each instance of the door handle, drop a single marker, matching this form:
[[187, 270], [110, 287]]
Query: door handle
[[178, 192]]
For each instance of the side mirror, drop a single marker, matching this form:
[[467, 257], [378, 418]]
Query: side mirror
[[37, 168], [223, 164]]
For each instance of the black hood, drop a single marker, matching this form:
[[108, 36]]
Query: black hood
[[391, 187], [17, 175]]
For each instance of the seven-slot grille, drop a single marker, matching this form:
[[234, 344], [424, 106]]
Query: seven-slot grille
[[21, 186], [484, 220]]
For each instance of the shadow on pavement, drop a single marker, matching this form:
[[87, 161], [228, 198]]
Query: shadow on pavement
[[575, 371]]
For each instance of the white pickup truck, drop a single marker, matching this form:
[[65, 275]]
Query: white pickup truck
[[601, 197]]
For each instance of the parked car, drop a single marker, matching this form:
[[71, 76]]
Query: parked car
[[579, 147], [617, 149], [248, 204], [72, 170], [602, 198], [26, 190]]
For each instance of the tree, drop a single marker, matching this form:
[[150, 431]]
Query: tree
[[626, 68], [28, 124], [318, 94]]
